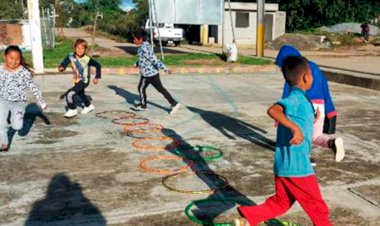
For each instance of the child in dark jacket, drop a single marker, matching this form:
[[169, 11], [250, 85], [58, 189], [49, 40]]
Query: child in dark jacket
[[80, 63], [149, 67]]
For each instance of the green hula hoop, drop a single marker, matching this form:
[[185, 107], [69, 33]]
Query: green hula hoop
[[200, 148], [196, 220], [280, 223]]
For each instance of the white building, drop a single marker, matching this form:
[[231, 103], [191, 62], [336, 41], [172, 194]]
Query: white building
[[244, 20]]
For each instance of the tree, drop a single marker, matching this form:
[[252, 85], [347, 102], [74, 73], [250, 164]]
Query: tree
[[11, 9]]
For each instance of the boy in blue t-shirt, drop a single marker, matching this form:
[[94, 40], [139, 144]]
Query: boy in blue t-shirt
[[294, 175]]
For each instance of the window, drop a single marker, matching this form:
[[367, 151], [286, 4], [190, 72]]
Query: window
[[242, 20]]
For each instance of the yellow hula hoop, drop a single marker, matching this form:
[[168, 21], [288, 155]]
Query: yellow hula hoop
[[174, 143], [165, 171], [206, 191], [122, 114], [143, 121]]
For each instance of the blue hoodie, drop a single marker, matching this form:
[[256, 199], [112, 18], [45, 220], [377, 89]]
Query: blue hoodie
[[319, 92]]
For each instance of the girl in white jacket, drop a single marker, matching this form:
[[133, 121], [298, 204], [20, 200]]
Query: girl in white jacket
[[15, 78]]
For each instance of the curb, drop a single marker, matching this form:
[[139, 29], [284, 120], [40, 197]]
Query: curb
[[185, 70]]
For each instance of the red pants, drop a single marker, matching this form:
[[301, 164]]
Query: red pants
[[305, 190]]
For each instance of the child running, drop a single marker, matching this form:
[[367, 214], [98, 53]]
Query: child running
[[149, 67], [80, 63], [15, 78], [319, 95], [294, 175]]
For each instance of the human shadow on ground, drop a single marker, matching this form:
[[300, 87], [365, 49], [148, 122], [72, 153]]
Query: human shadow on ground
[[211, 179], [226, 197], [232, 128], [130, 98], [32, 112], [66, 202]]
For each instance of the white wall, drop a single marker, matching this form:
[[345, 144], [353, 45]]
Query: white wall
[[274, 24]]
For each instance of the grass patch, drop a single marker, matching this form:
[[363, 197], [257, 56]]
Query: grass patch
[[53, 57]]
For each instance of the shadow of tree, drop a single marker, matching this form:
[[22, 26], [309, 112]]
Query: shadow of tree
[[66, 202]]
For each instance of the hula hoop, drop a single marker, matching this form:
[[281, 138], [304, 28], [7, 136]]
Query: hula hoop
[[152, 128], [206, 191], [280, 223], [196, 220], [143, 121], [200, 148], [165, 171], [127, 113], [175, 143]]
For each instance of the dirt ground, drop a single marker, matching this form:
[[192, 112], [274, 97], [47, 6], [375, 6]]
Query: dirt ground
[[87, 170]]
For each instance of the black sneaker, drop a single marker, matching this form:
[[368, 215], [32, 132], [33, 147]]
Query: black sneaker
[[139, 107], [174, 109], [313, 162], [4, 149]]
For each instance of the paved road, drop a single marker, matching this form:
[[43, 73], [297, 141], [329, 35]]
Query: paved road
[[86, 171]]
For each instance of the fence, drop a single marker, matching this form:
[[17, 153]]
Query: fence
[[17, 32]]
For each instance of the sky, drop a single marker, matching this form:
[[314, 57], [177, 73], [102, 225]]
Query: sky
[[127, 4]]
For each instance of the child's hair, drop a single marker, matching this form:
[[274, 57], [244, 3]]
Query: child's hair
[[22, 62], [80, 41], [140, 34], [293, 67]]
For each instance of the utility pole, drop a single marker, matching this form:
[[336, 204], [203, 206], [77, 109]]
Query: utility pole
[[94, 27], [35, 34], [260, 32]]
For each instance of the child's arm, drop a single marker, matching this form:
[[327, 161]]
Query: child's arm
[[277, 113], [35, 90], [63, 65], [98, 68], [154, 61]]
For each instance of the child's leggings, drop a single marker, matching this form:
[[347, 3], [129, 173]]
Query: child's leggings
[[305, 190], [17, 111], [156, 82], [77, 89], [319, 138]]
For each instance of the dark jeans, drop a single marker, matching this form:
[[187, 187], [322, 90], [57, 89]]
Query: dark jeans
[[77, 89], [156, 82]]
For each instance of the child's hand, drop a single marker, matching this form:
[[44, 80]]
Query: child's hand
[[95, 81], [297, 136], [61, 69], [317, 115], [169, 71], [44, 106]]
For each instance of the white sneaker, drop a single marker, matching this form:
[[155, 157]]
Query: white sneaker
[[71, 113], [240, 222], [87, 109], [339, 149], [175, 109]]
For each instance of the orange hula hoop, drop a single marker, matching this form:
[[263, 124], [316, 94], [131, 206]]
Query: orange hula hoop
[[151, 128], [174, 144]]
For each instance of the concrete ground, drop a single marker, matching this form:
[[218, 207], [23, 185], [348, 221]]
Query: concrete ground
[[85, 170]]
